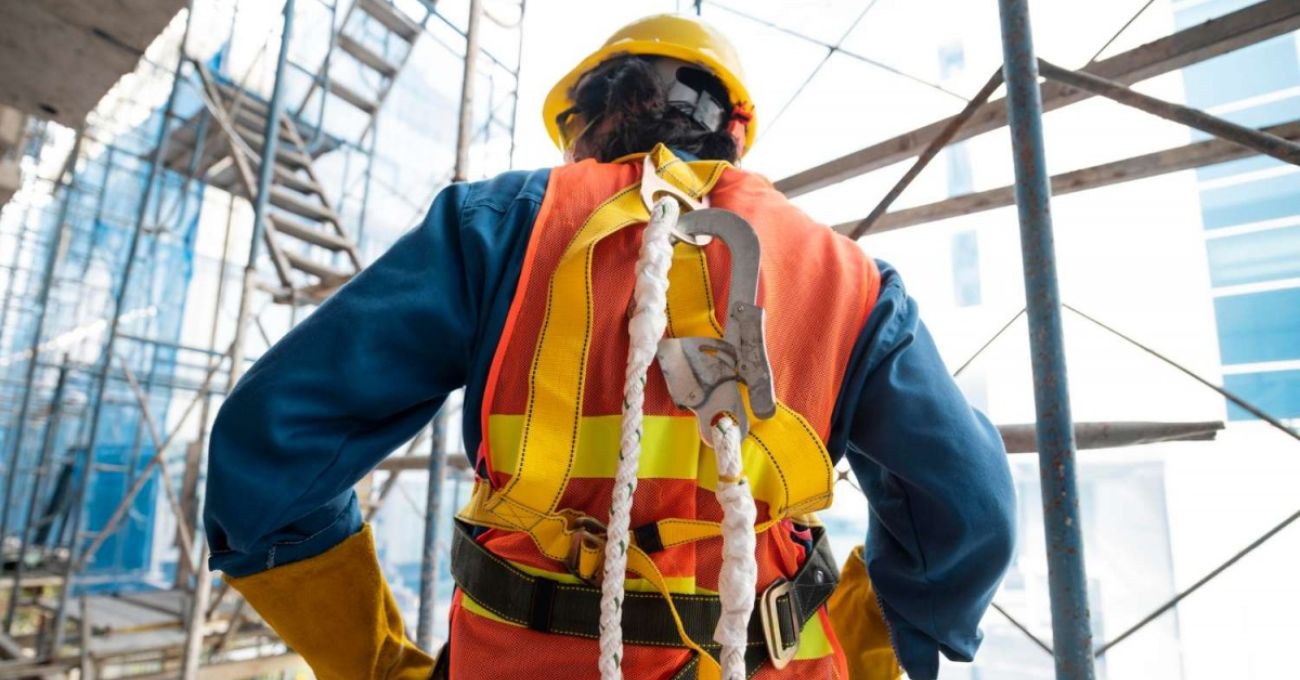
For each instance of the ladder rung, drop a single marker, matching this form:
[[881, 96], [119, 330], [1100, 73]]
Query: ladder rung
[[391, 17], [247, 102], [286, 157], [352, 97], [302, 232], [316, 294], [366, 55], [288, 178], [255, 139], [320, 269], [286, 200]]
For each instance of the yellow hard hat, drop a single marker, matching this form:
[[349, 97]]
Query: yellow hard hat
[[663, 35]]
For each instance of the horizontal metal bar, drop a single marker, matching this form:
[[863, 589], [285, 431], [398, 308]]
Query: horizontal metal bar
[[1226, 394], [171, 345], [1200, 154], [1210, 39], [1020, 438]]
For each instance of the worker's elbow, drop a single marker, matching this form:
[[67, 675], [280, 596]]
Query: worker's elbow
[[236, 479], [1003, 532], [999, 528]]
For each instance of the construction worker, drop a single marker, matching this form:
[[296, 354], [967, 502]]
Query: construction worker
[[781, 349]]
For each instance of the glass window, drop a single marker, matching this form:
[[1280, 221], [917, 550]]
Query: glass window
[[1276, 392], [1259, 326], [1258, 69], [1197, 12], [1259, 256], [1238, 167], [1264, 199], [1264, 114], [966, 268]]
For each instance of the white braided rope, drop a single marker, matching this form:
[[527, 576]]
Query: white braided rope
[[649, 320], [738, 580]]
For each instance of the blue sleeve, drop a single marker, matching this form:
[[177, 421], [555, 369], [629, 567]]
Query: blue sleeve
[[361, 375], [942, 526]]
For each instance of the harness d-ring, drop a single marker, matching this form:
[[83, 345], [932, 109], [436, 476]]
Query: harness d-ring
[[652, 185]]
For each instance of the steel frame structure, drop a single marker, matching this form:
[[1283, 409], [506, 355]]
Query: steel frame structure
[[1022, 111], [37, 639], [1055, 434]]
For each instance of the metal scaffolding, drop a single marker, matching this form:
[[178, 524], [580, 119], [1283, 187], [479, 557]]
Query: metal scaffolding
[[104, 408], [1022, 110]]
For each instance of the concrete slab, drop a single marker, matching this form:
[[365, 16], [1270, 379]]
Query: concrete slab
[[59, 57]]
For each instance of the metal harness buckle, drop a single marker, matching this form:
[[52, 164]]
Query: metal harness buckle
[[781, 627], [704, 374], [585, 532], [652, 185]]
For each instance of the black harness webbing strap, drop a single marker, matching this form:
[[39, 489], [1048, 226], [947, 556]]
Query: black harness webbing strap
[[572, 609]]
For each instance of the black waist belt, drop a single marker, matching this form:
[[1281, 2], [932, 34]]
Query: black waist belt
[[571, 609]]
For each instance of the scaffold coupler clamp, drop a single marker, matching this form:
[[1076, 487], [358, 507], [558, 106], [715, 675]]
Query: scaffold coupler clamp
[[704, 375]]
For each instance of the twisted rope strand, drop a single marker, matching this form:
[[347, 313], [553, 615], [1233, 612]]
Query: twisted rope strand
[[738, 581], [649, 320]]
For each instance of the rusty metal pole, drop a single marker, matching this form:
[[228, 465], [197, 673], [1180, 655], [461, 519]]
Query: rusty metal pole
[[432, 518], [465, 131], [198, 613], [1067, 578]]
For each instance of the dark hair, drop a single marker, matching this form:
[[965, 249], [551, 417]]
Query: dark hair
[[634, 113]]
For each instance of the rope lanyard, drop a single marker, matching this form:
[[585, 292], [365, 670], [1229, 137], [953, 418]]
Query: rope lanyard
[[738, 579]]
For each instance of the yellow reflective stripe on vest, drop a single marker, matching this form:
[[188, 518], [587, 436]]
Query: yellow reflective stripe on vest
[[673, 450], [553, 428], [557, 376]]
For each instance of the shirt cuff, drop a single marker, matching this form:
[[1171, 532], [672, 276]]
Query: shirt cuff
[[304, 539]]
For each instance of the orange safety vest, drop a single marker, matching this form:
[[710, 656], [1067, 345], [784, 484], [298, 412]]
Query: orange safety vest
[[553, 403]]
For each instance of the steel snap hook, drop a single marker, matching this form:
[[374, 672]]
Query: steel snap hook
[[704, 374]]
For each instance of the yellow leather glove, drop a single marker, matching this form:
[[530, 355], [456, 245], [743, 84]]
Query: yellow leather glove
[[860, 626], [335, 610]]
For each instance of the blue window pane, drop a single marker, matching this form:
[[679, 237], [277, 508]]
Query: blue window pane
[[1265, 199], [1260, 256], [952, 59], [1263, 115], [1259, 69], [966, 268], [959, 175], [1186, 18], [1277, 393], [1259, 326], [1238, 167]]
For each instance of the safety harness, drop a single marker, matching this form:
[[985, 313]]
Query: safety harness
[[785, 462], [547, 606]]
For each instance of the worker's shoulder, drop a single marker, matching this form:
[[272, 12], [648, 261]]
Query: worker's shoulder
[[500, 192], [757, 193]]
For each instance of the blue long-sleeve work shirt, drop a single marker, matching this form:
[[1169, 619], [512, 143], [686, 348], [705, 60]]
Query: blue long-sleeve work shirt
[[373, 364]]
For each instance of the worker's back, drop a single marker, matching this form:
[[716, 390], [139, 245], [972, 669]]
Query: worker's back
[[554, 402], [611, 533]]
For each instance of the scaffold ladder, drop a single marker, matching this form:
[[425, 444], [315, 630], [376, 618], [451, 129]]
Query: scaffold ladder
[[371, 50], [308, 246]]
